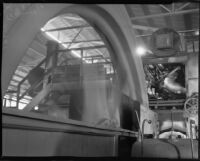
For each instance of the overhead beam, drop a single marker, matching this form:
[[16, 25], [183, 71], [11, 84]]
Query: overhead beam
[[165, 8], [146, 28], [173, 7], [73, 18], [183, 6], [84, 48], [164, 14], [67, 28], [83, 41], [183, 31], [74, 38]]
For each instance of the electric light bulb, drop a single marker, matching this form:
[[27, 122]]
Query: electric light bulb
[[141, 51]]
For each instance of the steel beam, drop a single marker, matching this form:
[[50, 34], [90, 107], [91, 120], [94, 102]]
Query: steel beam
[[84, 48], [173, 7], [165, 8], [67, 28], [74, 38], [73, 18], [183, 6], [184, 31], [146, 28], [37, 99], [83, 41], [164, 14]]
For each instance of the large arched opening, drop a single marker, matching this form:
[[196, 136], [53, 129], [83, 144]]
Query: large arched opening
[[112, 99]]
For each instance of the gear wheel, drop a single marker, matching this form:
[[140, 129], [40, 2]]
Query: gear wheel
[[191, 106]]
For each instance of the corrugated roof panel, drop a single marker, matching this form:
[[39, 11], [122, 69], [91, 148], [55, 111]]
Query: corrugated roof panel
[[68, 35]]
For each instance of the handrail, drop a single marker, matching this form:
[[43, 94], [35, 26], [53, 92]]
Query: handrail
[[33, 86], [23, 80], [10, 99], [166, 102]]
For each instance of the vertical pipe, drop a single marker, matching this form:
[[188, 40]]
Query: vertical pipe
[[18, 93], [172, 129], [140, 132], [5, 101], [191, 139], [193, 47]]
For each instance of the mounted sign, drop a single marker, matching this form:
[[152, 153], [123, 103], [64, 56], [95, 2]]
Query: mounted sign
[[165, 42]]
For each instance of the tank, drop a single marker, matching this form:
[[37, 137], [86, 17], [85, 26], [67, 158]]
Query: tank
[[165, 148]]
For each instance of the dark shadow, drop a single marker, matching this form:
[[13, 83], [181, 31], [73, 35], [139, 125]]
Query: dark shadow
[[125, 146], [128, 118]]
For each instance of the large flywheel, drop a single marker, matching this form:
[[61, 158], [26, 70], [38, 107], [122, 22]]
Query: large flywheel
[[191, 105]]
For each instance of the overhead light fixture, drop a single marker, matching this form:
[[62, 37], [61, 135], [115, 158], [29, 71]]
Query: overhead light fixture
[[140, 50], [51, 36], [196, 32], [75, 54]]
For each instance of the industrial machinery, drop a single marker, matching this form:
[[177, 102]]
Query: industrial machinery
[[175, 146], [58, 87], [168, 96]]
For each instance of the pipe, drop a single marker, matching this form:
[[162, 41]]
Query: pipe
[[164, 14], [191, 138], [149, 122], [139, 124]]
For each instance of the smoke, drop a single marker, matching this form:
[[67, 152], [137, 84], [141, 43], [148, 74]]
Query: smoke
[[101, 97]]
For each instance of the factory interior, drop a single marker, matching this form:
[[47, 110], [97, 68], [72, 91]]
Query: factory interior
[[100, 80]]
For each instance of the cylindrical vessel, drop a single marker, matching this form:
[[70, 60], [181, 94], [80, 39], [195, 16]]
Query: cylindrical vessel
[[165, 148]]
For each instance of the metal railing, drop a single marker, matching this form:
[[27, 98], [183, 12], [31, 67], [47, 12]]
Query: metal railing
[[161, 103]]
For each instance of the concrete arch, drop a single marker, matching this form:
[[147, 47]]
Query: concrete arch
[[112, 20]]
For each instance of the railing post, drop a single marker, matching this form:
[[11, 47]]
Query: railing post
[[5, 101], [18, 93]]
